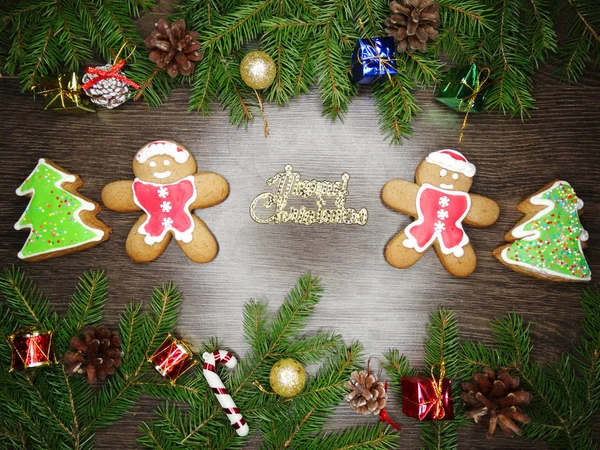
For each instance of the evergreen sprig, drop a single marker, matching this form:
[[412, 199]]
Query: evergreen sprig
[[43, 37], [566, 393], [48, 408], [282, 422], [441, 357], [310, 42]]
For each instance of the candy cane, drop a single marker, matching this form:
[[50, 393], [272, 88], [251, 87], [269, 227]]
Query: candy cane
[[213, 380]]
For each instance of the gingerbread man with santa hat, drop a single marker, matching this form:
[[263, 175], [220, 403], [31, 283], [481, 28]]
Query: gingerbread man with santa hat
[[441, 203], [167, 188]]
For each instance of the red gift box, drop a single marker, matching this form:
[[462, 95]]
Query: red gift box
[[427, 399], [172, 358], [31, 348]]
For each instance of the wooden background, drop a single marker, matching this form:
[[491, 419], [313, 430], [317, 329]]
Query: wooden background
[[365, 298]]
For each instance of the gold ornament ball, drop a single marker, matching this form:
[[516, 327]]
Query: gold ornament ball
[[287, 377], [257, 70]]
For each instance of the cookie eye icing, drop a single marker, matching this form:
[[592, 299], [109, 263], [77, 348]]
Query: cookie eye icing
[[455, 176], [166, 162], [443, 173], [152, 164]]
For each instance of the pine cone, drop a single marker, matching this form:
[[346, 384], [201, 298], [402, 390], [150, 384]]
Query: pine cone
[[493, 399], [98, 354], [173, 48], [367, 394], [109, 92], [413, 23]]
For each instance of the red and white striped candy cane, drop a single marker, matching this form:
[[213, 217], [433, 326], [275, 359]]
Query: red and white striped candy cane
[[213, 380]]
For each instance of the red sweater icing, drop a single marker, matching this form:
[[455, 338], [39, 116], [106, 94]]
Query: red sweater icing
[[167, 207], [440, 216]]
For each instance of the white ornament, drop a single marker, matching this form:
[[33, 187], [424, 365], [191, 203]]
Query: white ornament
[[167, 222], [439, 226], [442, 214]]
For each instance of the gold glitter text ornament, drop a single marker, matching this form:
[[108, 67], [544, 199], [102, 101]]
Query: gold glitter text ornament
[[258, 71], [287, 377], [290, 185]]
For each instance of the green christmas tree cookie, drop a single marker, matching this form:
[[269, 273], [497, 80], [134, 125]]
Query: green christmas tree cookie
[[60, 219], [548, 242]]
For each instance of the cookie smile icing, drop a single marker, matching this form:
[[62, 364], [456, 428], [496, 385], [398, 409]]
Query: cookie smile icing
[[161, 175], [446, 186]]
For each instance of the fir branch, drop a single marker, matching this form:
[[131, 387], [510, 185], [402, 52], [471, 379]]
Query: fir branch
[[155, 84], [513, 339], [509, 60], [331, 60], [310, 350], [232, 31], [294, 313], [131, 322], [360, 438], [233, 93], [540, 26], [396, 106], [86, 308], [71, 32], [25, 301], [255, 323], [441, 355], [204, 85]]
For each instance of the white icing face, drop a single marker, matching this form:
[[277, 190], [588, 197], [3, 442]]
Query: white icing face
[[161, 175], [455, 176], [443, 173], [446, 186], [163, 169]]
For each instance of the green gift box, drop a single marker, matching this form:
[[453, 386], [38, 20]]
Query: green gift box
[[63, 92], [458, 86]]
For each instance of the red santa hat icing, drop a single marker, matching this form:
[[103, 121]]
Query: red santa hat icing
[[156, 148], [452, 160]]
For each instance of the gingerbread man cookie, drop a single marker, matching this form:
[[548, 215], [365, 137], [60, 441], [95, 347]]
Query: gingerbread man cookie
[[440, 202], [167, 188]]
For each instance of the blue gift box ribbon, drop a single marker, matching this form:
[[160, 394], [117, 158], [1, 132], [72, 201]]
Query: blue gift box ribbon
[[372, 59]]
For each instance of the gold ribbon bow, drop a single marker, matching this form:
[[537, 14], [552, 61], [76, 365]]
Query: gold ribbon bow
[[437, 388], [466, 103], [382, 62], [386, 63]]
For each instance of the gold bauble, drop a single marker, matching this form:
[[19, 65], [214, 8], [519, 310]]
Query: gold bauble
[[287, 377], [258, 70]]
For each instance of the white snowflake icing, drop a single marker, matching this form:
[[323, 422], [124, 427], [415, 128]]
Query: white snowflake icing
[[163, 192], [166, 206], [444, 201], [439, 226], [167, 222], [442, 214]]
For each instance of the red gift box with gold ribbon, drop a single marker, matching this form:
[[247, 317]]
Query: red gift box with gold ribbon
[[427, 398]]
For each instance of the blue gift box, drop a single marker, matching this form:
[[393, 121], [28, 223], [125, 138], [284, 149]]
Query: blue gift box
[[373, 59]]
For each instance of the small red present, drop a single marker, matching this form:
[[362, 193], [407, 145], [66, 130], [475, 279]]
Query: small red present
[[427, 398], [172, 358], [31, 348]]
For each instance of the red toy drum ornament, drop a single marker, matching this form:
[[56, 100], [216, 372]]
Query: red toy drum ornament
[[172, 358], [428, 398], [31, 348]]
